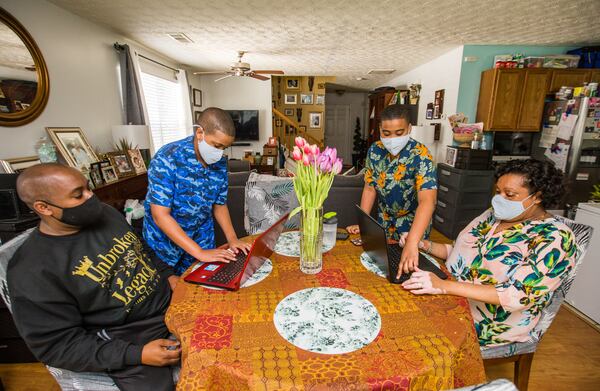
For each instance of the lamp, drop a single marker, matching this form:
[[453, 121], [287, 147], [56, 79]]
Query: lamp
[[137, 135]]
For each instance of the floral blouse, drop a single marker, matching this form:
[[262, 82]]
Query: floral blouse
[[397, 180], [525, 263]]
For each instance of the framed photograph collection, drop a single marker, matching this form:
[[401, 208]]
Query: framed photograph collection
[[291, 99], [121, 163], [73, 146]]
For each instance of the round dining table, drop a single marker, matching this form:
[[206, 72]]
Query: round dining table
[[230, 339]]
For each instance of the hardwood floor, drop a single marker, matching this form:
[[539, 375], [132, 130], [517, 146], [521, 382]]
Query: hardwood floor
[[568, 358]]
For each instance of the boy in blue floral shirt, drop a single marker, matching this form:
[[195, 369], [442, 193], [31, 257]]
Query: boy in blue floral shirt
[[187, 186], [401, 175]]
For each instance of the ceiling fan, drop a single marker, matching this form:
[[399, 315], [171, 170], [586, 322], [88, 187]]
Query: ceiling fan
[[240, 68]]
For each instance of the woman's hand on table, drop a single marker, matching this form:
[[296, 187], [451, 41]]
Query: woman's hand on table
[[161, 352], [216, 255], [422, 282], [173, 280], [237, 245], [353, 229]]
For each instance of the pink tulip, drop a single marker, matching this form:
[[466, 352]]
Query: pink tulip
[[300, 142], [305, 160], [324, 163], [297, 154], [337, 166], [314, 149], [307, 149], [333, 154]]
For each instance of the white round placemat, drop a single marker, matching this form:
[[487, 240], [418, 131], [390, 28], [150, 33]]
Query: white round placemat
[[257, 277], [371, 266], [327, 320], [288, 244]]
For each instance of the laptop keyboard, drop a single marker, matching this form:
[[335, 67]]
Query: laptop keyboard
[[395, 253], [230, 271]]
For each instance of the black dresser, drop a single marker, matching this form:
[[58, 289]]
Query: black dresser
[[462, 196]]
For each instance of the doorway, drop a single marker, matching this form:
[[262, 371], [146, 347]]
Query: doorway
[[338, 131]]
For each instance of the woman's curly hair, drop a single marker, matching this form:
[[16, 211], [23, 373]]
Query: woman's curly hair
[[538, 176]]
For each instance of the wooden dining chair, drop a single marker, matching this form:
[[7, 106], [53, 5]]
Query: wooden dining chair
[[521, 353]]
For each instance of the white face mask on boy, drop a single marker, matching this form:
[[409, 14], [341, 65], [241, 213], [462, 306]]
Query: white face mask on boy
[[395, 144], [209, 154]]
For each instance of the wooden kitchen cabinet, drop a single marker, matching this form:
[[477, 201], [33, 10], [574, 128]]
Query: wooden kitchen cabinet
[[569, 78], [532, 101], [595, 76]]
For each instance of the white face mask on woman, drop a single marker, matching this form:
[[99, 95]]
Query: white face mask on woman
[[508, 210], [209, 154], [395, 144]]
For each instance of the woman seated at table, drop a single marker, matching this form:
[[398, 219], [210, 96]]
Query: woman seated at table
[[509, 260]]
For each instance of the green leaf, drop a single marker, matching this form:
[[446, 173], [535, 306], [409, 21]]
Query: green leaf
[[551, 258], [496, 252], [492, 243], [532, 279], [501, 315], [558, 269], [295, 212], [514, 237]]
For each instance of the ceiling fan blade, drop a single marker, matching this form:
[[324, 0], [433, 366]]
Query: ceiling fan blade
[[270, 72], [259, 77], [222, 78], [211, 73]]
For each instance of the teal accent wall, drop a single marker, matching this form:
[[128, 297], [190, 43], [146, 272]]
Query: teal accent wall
[[470, 74]]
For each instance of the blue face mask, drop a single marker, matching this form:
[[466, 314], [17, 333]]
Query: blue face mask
[[209, 154], [508, 210], [395, 144]]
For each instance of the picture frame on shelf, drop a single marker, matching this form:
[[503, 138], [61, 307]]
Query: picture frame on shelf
[[91, 185], [315, 120], [197, 97], [109, 174], [291, 99], [272, 142], [96, 174], [19, 164], [73, 146], [120, 161], [5, 167], [289, 112], [306, 99], [320, 99], [135, 156], [293, 84]]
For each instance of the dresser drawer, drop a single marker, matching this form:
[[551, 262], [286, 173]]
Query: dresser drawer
[[464, 200], [465, 180], [451, 213], [449, 228]]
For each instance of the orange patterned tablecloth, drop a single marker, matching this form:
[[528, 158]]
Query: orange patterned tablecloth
[[229, 340]]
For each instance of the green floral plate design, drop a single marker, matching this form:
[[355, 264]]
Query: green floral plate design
[[257, 277], [371, 266], [288, 244], [327, 320]]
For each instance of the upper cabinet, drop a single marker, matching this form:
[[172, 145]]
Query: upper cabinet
[[513, 99]]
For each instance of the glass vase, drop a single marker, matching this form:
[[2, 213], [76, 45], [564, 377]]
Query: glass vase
[[311, 240]]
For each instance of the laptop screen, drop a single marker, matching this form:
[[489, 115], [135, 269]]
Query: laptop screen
[[374, 240]]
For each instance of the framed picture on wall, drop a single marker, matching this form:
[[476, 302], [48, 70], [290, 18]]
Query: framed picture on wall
[[291, 99], [438, 104], [289, 112], [429, 111], [306, 99], [320, 99], [315, 120], [73, 146], [197, 115], [321, 86], [293, 84], [302, 128], [197, 94]]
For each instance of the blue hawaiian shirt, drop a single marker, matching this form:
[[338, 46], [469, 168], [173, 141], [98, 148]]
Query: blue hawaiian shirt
[[397, 180], [177, 180]]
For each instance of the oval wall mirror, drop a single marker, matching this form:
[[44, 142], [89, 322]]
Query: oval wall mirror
[[24, 83]]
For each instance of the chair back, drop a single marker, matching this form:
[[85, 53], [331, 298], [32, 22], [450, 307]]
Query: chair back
[[238, 165], [7, 250], [583, 235]]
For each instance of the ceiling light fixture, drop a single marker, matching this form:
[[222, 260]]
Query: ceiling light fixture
[[385, 71], [180, 37], [360, 78]]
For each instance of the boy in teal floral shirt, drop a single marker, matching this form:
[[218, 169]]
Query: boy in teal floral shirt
[[401, 175]]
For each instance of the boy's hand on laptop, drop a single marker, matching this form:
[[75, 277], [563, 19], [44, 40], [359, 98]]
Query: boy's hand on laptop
[[353, 229], [238, 245], [402, 241], [216, 255], [421, 282], [161, 352], [410, 258]]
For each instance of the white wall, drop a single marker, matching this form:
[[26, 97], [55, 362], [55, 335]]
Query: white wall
[[239, 93], [440, 73], [84, 80]]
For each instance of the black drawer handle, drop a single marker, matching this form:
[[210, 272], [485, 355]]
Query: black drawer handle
[[447, 173], [444, 188], [442, 204], [438, 218]]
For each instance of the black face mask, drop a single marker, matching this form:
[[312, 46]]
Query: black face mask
[[81, 215]]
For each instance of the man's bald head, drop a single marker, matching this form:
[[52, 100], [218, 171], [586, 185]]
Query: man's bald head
[[46, 182], [214, 119]]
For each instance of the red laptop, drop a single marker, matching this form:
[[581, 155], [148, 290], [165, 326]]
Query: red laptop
[[233, 274]]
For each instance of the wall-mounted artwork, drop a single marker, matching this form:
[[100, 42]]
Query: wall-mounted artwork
[[321, 99], [306, 99], [291, 99], [315, 120], [293, 84], [438, 104]]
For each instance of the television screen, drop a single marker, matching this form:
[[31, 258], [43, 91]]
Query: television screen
[[246, 124]]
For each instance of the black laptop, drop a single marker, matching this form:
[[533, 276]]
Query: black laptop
[[387, 256]]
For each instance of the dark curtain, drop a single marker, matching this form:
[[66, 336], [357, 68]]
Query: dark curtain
[[131, 87]]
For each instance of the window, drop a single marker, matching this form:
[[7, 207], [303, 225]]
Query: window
[[164, 104]]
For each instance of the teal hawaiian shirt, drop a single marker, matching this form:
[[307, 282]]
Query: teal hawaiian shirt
[[397, 180]]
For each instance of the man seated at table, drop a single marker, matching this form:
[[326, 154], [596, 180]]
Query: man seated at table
[[187, 186], [86, 295]]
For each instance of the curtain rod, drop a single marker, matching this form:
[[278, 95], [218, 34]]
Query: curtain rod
[[118, 46]]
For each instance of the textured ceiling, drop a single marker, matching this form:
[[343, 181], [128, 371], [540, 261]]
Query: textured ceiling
[[343, 38]]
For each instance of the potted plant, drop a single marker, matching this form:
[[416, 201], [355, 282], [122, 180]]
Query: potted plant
[[359, 147], [595, 194]]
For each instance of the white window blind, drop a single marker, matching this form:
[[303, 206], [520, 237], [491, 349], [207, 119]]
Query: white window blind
[[165, 108]]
